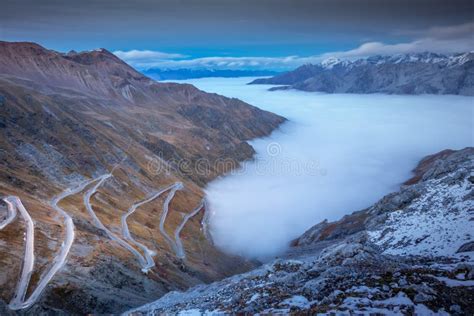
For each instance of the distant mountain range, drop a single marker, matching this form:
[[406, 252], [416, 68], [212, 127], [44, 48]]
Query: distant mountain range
[[423, 73], [181, 74]]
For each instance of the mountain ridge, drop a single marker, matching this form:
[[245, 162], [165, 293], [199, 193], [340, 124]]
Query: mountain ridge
[[398, 74], [89, 128]]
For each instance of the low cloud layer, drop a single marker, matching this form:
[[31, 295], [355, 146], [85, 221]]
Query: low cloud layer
[[445, 40], [336, 155], [237, 63], [145, 56]]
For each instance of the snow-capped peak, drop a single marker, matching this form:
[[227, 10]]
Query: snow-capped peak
[[330, 62], [425, 57]]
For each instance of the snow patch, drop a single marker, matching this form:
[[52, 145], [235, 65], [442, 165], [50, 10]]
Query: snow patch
[[296, 301], [454, 283], [437, 223]]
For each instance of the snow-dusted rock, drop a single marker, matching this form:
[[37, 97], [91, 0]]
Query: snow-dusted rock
[[421, 73], [400, 256]]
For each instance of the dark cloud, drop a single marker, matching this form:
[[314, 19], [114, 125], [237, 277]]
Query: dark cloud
[[222, 25]]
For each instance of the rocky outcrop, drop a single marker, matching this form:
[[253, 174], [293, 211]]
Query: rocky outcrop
[[351, 278], [430, 214], [66, 118], [410, 253], [425, 73]]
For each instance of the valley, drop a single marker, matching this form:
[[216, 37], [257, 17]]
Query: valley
[[237, 157], [338, 153], [126, 189], [410, 253]]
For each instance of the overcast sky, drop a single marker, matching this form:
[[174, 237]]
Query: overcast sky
[[240, 34]]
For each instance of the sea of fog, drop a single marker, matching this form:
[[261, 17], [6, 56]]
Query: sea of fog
[[337, 154]]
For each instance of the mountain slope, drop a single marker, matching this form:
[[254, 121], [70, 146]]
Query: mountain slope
[[409, 254], [70, 118], [399, 74]]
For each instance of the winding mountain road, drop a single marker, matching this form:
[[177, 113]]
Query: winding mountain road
[[14, 202], [179, 245], [87, 202], [18, 301], [148, 253], [146, 261], [177, 186]]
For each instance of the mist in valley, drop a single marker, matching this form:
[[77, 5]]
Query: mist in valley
[[336, 154]]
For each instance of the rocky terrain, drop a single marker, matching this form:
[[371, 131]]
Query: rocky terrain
[[424, 73], [101, 176], [411, 253]]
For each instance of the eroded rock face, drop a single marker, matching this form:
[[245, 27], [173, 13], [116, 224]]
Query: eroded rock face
[[67, 118], [424, 73], [372, 261]]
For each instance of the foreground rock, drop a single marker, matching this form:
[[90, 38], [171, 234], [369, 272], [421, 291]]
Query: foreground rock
[[410, 253], [425, 73]]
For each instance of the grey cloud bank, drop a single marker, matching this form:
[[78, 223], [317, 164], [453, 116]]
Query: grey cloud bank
[[224, 28], [358, 147]]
